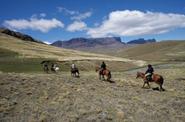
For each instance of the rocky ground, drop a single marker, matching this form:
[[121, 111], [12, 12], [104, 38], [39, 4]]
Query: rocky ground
[[61, 98]]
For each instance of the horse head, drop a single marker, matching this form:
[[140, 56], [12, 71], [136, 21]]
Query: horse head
[[139, 75], [97, 68]]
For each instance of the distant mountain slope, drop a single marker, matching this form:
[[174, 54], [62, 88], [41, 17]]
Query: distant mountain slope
[[28, 49], [81, 43], [141, 41], [18, 35], [160, 51]]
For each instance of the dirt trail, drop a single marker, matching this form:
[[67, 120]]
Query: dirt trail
[[60, 98]]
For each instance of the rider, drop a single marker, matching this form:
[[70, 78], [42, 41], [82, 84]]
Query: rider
[[103, 66], [73, 66], [46, 67], [149, 72]]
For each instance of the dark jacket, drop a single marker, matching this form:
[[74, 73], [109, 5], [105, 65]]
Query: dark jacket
[[103, 66], [149, 70]]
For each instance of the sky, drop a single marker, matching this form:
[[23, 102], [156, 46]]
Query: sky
[[52, 20]]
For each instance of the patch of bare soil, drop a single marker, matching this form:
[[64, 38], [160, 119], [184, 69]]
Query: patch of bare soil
[[61, 98]]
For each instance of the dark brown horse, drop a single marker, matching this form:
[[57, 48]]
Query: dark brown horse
[[103, 73], [75, 72], [158, 79]]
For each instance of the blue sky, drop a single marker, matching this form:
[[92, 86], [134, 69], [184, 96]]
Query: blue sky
[[53, 20]]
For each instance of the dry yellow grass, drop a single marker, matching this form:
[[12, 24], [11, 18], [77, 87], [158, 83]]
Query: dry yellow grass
[[160, 51], [28, 49]]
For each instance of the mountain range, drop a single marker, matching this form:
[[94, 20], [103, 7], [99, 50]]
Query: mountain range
[[141, 41], [75, 43], [108, 42], [81, 43]]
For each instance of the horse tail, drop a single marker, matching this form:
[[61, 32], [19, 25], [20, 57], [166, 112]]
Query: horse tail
[[109, 75], [161, 85], [162, 80]]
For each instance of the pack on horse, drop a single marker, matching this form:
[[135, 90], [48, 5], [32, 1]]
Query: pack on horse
[[54, 67], [158, 79], [74, 71], [46, 64], [102, 71]]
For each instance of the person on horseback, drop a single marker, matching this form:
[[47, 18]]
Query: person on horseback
[[74, 70], [46, 69], [73, 66], [103, 66], [149, 72]]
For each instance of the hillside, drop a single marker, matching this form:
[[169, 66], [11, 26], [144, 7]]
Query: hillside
[[60, 97], [160, 51], [30, 51]]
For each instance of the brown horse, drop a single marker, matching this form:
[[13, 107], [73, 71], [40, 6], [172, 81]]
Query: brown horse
[[103, 73], [158, 79]]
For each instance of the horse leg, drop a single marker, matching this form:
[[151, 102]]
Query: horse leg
[[109, 76], [103, 77], [161, 88], [148, 84], [145, 81], [143, 84], [47, 70], [78, 73], [99, 76]]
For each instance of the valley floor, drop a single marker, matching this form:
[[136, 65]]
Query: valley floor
[[61, 98]]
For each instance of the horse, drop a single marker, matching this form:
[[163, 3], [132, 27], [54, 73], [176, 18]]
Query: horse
[[158, 79], [75, 72], [101, 73], [55, 69], [46, 69]]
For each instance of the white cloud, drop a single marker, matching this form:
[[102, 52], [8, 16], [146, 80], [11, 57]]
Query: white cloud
[[82, 16], [43, 25], [75, 15], [47, 42], [42, 15], [67, 11], [131, 23], [76, 26]]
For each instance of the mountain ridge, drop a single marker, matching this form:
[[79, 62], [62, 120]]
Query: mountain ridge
[[104, 42], [89, 42], [19, 35], [141, 41]]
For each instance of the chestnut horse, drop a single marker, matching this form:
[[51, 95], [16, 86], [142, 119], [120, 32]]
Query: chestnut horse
[[103, 73], [158, 79]]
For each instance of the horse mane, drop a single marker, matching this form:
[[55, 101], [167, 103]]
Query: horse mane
[[140, 73]]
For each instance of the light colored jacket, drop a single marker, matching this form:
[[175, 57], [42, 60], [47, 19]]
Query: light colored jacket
[[73, 66]]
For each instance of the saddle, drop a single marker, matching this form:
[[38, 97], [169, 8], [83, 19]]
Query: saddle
[[101, 71], [149, 76]]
